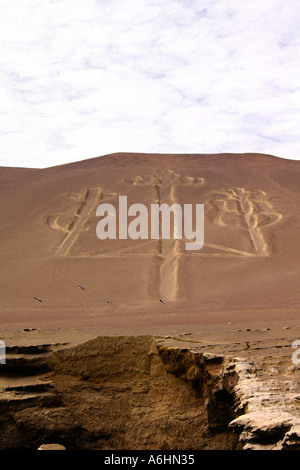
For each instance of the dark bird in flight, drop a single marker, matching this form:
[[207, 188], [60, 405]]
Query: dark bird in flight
[[81, 287], [38, 300], [161, 301]]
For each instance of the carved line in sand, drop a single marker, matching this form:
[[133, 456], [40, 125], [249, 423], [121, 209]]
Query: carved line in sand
[[86, 204], [244, 210], [237, 208], [160, 176], [88, 201], [165, 183]]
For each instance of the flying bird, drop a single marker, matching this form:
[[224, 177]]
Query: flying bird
[[38, 300]]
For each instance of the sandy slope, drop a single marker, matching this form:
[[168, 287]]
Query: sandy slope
[[248, 269]]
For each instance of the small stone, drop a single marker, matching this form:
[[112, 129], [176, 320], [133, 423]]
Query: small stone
[[51, 447]]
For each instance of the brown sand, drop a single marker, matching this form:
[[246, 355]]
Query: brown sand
[[247, 271]]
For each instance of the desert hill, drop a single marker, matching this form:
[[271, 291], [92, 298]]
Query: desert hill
[[248, 268]]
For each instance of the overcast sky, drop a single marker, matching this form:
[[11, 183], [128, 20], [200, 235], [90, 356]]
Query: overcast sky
[[79, 79]]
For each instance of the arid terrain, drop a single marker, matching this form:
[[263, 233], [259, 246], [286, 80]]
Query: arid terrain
[[210, 331]]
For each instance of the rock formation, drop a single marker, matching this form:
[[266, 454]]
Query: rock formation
[[142, 392]]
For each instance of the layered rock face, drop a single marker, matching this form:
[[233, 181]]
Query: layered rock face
[[113, 393], [141, 392]]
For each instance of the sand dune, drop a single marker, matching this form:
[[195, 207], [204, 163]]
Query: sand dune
[[249, 267]]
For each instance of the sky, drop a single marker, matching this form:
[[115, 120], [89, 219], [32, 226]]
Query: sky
[[80, 79]]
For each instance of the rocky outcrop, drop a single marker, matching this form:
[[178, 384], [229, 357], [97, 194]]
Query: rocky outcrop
[[140, 392], [271, 418]]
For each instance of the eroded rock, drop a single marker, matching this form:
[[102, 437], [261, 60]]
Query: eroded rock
[[144, 392]]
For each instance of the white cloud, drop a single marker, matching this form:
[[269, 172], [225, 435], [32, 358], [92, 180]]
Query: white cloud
[[82, 79]]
